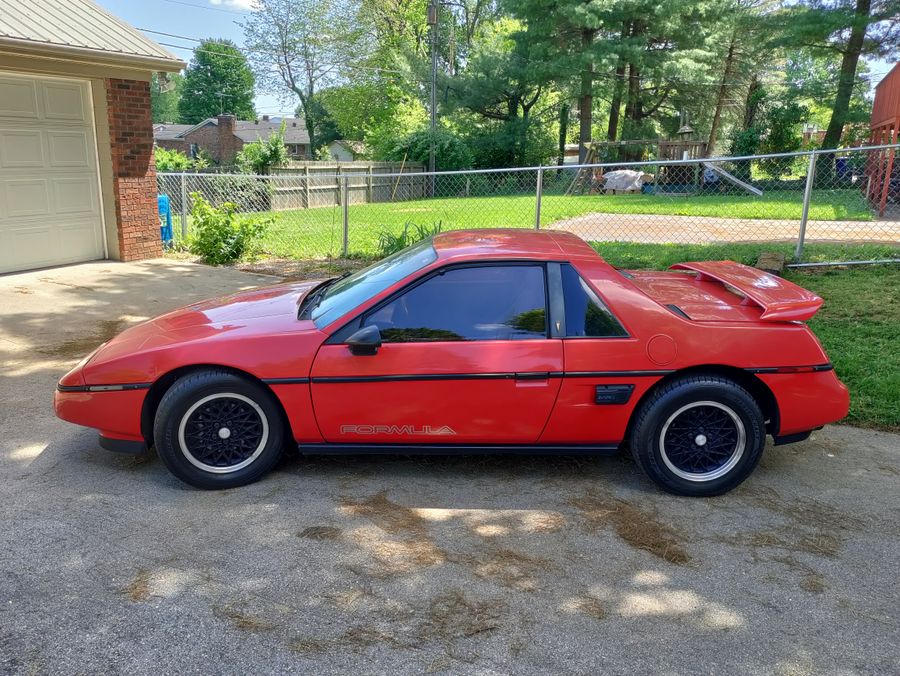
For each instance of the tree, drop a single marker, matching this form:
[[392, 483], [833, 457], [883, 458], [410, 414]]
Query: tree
[[164, 96], [560, 39], [850, 29], [304, 45], [218, 80], [451, 151]]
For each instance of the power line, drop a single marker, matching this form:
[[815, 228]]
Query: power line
[[207, 7], [189, 48]]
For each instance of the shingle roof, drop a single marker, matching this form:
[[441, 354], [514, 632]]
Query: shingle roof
[[294, 130], [253, 130], [169, 132], [79, 27]]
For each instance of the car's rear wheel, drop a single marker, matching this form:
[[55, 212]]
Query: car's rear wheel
[[215, 429], [698, 435]]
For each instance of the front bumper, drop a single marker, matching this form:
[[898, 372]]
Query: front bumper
[[116, 414]]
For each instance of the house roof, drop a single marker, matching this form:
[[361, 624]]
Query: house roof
[[294, 129], [169, 132], [79, 29], [249, 130]]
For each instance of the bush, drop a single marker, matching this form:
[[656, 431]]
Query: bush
[[514, 143], [450, 151], [171, 160], [219, 234], [260, 156], [390, 242]]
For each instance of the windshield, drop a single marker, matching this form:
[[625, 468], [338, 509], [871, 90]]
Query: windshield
[[347, 293]]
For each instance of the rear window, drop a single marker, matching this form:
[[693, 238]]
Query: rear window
[[586, 315]]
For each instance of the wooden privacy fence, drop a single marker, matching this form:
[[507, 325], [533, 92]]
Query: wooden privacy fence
[[323, 184]]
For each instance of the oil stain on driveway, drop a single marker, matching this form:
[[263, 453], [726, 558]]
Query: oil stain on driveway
[[409, 565]]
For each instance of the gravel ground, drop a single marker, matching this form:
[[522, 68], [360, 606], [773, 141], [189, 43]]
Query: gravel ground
[[488, 565]]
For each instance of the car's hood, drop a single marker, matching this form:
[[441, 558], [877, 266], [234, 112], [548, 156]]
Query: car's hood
[[211, 327], [278, 301]]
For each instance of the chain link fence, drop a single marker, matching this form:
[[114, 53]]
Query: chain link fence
[[813, 206]]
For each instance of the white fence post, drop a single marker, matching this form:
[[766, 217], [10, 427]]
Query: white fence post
[[807, 196], [539, 191]]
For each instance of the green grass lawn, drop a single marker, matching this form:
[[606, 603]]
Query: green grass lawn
[[859, 323], [661, 256], [318, 232], [859, 326]]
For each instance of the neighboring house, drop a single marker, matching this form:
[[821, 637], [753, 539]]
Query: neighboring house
[[224, 136], [347, 151], [167, 135], [77, 180]]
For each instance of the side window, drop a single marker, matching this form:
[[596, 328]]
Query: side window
[[586, 314], [502, 302]]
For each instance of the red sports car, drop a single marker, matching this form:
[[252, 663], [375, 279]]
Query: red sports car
[[473, 341]]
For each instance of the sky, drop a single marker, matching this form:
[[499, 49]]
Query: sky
[[195, 19], [220, 19]]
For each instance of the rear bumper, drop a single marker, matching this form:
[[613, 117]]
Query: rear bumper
[[807, 401], [122, 445], [792, 438]]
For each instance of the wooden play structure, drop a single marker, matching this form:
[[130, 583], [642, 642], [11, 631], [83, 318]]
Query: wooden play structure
[[885, 129]]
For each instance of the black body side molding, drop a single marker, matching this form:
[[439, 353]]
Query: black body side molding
[[456, 449]]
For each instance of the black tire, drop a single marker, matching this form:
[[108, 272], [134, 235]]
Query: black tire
[[214, 429], [699, 435]]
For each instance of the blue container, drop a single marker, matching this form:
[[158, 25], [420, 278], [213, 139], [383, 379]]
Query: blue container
[[165, 211], [841, 166]]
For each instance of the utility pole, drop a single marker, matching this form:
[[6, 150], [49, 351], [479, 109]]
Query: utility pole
[[433, 22]]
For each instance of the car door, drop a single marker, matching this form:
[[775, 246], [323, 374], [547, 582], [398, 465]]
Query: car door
[[466, 358], [600, 386]]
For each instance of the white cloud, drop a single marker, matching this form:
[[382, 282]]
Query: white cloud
[[243, 5]]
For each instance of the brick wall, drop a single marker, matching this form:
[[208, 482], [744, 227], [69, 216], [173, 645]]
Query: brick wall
[[134, 174], [217, 139], [174, 144]]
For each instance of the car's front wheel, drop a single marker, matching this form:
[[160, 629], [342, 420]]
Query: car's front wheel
[[698, 435], [215, 429]]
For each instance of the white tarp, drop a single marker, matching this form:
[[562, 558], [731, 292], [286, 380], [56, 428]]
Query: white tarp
[[624, 179]]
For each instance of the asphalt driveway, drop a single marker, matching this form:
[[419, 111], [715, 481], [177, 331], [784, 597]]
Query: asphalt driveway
[[363, 565]]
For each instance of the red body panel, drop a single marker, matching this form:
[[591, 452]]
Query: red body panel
[[807, 401], [780, 300], [477, 404], [117, 415], [469, 392]]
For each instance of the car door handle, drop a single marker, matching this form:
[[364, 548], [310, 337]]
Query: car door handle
[[533, 375]]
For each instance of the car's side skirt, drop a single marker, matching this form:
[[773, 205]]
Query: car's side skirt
[[456, 449]]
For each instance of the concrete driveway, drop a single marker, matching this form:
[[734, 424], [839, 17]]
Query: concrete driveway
[[364, 565]]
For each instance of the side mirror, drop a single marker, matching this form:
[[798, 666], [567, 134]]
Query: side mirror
[[365, 341]]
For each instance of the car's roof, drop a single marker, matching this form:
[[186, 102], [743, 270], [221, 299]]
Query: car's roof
[[511, 243]]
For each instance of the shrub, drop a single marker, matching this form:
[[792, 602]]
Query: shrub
[[249, 193], [260, 156], [219, 234], [171, 160], [450, 151], [390, 242]]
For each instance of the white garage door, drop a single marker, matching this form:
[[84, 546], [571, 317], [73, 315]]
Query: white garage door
[[49, 188]]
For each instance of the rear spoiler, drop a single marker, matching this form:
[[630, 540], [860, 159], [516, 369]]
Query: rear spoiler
[[780, 300]]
